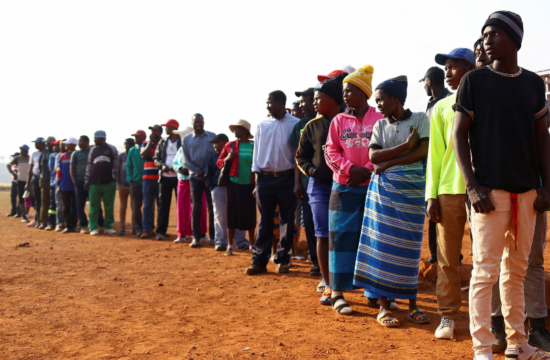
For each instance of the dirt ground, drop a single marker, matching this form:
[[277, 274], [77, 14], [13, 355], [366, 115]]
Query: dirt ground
[[80, 297]]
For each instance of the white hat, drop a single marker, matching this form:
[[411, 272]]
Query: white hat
[[71, 140], [188, 130], [242, 123]]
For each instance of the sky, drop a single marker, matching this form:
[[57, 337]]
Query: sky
[[69, 68]]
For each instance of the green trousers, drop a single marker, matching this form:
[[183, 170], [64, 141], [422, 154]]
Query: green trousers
[[96, 193]]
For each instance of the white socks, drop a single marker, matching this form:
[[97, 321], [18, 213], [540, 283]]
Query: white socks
[[522, 351]]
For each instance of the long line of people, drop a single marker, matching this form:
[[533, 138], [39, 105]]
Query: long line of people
[[361, 182]]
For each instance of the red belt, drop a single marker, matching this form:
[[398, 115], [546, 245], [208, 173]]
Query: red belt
[[514, 200]]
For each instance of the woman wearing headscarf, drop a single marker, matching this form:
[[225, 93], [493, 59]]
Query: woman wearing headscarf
[[310, 158], [241, 204], [346, 153], [391, 240]]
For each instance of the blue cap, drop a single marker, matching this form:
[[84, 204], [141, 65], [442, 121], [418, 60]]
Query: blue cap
[[100, 134], [26, 147], [458, 53], [38, 140]]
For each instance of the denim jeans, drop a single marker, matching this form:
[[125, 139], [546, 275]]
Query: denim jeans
[[150, 197], [219, 201]]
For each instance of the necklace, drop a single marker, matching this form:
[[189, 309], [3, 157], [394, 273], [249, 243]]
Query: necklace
[[505, 74]]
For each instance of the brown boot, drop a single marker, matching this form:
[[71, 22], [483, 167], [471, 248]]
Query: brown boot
[[255, 270], [145, 235]]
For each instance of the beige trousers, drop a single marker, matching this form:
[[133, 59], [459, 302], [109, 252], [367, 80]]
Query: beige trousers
[[449, 245], [493, 242]]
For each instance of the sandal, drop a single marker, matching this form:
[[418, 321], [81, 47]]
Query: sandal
[[321, 286], [327, 295], [340, 305], [418, 317], [386, 319]]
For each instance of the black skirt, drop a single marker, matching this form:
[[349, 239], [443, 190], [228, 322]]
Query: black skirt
[[241, 206]]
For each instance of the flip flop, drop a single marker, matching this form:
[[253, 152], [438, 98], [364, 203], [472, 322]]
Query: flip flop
[[327, 295], [386, 319], [418, 317]]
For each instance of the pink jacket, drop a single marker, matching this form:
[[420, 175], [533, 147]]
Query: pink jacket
[[348, 143]]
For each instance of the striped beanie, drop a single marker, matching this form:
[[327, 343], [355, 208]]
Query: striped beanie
[[396, 86], [362, 78], [508, 21]]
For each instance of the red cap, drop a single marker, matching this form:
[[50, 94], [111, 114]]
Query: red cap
[[172, 123], [331, 74], [140, 133], [54, 143]]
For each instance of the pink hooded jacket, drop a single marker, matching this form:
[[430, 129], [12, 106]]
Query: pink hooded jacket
[[348, 143]]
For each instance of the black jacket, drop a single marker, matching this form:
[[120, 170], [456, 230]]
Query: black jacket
[[160, 153], [311, 151]]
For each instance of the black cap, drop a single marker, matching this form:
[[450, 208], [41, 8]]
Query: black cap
[[306, 92], [219, 137], [156, 127], [434, 73], [16, 154]]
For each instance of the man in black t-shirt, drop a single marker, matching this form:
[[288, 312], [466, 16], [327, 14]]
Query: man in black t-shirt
[[501, 109], [100, 182]]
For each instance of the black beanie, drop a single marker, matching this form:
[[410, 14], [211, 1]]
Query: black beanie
[[333, 88], [509, 22]]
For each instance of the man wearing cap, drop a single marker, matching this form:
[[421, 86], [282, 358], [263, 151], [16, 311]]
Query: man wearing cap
[[301, 181], [15, 209], [66, 186], [44, 176], [445, 193], [134, 175], [21, 162], [196, 152], [500, 130], [165, 154], [273, 166], [100, 182], [436, 90], [150, 181], [33, 181]]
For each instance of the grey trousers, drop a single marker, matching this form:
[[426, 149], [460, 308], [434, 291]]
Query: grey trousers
[[535, 304]]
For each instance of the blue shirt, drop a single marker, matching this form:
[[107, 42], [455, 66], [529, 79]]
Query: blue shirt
[[178, 164], [53, 172], [197, 150], [212, 172], [271, 149], [65, 181]]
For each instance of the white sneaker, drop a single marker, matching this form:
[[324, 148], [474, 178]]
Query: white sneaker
[[446, 329], [85, 230], [205, 240], [181, 240], [109, 231], [32, 223], [94, 232]]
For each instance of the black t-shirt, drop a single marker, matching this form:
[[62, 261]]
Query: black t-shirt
[[502, 136]]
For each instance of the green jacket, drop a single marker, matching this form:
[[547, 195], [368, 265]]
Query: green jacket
[[134, 166]]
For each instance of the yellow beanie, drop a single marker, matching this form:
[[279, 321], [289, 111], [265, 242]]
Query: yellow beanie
[[362, 78]]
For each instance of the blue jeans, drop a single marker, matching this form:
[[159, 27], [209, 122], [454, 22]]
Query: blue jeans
[[81, 198], [150, 197], [219, 201]]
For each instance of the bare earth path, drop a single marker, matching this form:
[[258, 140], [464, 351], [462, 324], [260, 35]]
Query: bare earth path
[[80, 297]]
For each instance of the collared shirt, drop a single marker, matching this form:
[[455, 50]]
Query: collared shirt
[[431, 103], [271, 149], [196, 151]]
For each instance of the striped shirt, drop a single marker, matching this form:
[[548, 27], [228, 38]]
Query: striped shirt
[[150, 171]]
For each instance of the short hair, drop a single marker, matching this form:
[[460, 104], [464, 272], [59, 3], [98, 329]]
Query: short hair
[[278, 95], [478, 42], [85, 138], [197, 115], [130, 141], [297, 103]]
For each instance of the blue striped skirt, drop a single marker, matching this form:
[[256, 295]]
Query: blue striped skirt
[[345, 218], [391, 235]]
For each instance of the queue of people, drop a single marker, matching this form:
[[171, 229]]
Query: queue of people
[[359, 181]]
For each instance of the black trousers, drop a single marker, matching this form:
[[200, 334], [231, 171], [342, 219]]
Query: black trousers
[[270, 192], [167, 186], [69, 208], [14, 195], [309, 228], [432, 239], [197, 188], [20, 192], [37, 197], [52, 210], [136, 195]]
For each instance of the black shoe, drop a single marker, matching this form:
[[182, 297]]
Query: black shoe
[[41, 227], [195, 243], [540, 338], [499, 346], [10, 214], [315, 271], [17, 216], [243, 246], [121, 233], [160, 237], [220, 248]]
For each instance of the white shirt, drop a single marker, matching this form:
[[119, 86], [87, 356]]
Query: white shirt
[[34, 162], [271, 149], [171, 150]]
